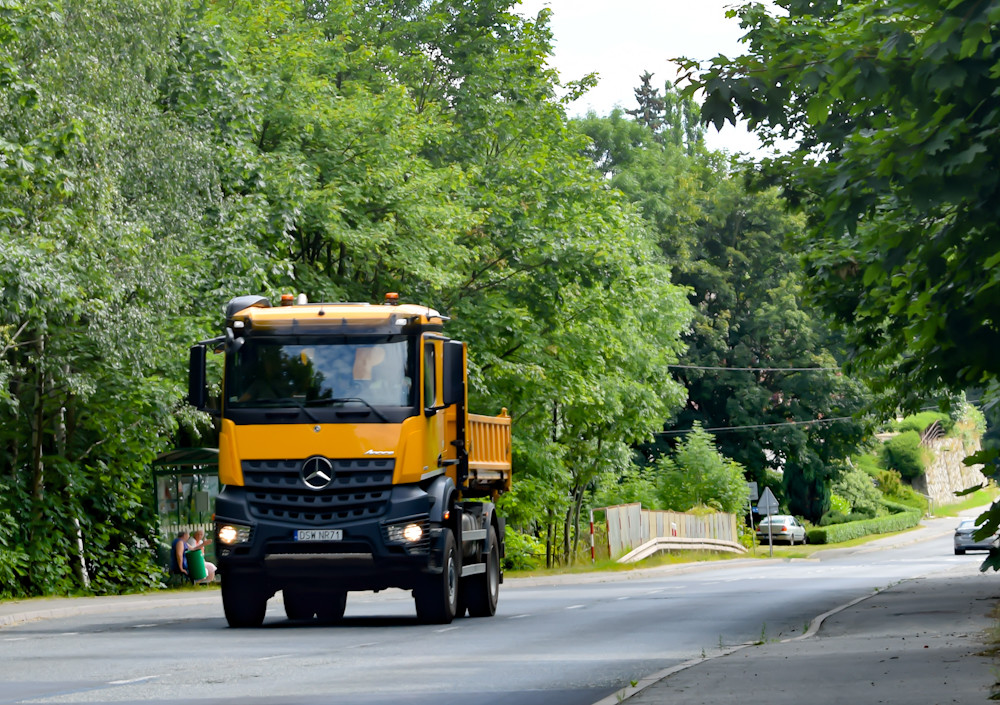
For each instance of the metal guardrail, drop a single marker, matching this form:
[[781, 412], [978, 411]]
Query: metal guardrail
[[676, 543]]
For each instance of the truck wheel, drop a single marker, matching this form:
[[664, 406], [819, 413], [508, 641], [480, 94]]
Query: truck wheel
[[330, 606], [484, 588], [244, 603], [437, 596], [298, 606]]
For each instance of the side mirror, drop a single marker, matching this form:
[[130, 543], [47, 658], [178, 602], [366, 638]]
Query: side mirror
[[453, 371], [233, 344], [197, 387]]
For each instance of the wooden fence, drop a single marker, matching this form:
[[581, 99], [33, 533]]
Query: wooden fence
[[630, 526]]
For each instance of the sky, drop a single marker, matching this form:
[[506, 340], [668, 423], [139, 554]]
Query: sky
[[621, 39]]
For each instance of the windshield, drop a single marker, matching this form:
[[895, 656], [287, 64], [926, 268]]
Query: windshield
[[274, 372]]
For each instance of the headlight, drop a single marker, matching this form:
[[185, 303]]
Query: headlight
[[413, 532], [410, 533], [230, 534]]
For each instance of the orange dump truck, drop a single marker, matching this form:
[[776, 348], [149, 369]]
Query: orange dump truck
[[349, 461]]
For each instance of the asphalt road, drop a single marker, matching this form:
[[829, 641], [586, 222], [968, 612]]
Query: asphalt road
[[564, 641]]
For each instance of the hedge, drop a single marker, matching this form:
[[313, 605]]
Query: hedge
[[838, 533]]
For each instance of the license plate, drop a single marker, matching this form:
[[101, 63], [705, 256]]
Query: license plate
[[319, 535]]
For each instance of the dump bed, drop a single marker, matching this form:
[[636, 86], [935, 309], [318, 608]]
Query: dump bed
[[488, 445]]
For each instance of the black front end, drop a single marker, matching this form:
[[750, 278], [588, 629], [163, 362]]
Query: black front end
[[355, 532]]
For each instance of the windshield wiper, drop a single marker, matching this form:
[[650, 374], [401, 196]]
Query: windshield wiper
[[284, 402], [345, 400]]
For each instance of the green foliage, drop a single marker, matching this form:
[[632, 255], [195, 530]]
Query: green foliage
[[838, 533], [634, 485], [904, 454], [727, 246], [523, 551], [838, 504], [858, 489], [867, 462], [698, 475], [920, 422]]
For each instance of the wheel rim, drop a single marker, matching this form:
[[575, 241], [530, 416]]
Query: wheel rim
[[452, 580], [493, 573]]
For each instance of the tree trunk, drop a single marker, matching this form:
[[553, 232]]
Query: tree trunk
[[548, 540], [79, 560], [38, 437]]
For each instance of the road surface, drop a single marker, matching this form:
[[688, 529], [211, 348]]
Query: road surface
[[562, 641]]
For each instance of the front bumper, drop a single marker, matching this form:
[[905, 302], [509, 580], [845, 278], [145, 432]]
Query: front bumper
[[370, 552]]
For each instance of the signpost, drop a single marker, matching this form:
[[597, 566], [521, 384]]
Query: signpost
[[751, 498], [767, 506]]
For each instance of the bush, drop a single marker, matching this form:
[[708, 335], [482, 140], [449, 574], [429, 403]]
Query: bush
[[857, 487], [904, 454], [919, 422], [524, 551], [833, 517], [889, 482], [868, 462], [838, 533]]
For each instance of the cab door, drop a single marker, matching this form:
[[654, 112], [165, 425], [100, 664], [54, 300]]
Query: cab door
[[433, 411]]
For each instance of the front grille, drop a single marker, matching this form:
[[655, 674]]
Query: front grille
[[360, 490]]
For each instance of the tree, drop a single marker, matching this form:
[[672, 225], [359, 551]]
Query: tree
[[697, 474], [893, 109], [758, 356], [652, 107], [892, 105]]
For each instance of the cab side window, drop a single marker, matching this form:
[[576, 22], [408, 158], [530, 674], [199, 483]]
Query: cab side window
[[430, 386]]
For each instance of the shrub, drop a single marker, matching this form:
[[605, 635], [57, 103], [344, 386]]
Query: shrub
[[869, 463], [904, 454], [839, 504], [889, 482], [524, 551], [919, 422], [832, 517], [838, 533], [858, 488]]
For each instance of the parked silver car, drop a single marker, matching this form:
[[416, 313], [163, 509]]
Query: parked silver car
[[965, 538], [783, 527]]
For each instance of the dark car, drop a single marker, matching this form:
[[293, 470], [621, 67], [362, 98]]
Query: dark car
[[965, 538]]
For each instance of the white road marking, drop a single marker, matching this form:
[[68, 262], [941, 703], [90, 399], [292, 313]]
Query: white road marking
[[133, 680]]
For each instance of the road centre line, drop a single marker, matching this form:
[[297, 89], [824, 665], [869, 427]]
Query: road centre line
[[272, 658], [519, 616], [575, 607], [446, 629]]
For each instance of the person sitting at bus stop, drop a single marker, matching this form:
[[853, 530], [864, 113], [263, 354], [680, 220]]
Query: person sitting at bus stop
[[178, 560], [197, 542]]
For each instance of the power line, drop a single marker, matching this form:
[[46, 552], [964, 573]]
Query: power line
[[756, 369], [762, 425]]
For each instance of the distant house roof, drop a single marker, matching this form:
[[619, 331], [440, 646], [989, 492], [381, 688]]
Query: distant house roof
[[182, 457]]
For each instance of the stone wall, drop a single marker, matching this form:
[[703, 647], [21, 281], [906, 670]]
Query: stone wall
[[946, 474]]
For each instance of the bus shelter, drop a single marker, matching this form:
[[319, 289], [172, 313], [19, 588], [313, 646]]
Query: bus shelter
[[186, 482]]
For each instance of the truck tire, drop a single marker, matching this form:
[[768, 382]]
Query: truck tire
[[436, 597], [244, 603], [482, 591], [330, 606], [298, 605]]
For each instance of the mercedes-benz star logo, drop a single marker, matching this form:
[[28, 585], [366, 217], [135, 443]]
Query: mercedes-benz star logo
[[317, 472]]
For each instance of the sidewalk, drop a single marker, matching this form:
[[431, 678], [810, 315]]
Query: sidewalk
[[921, 641]]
